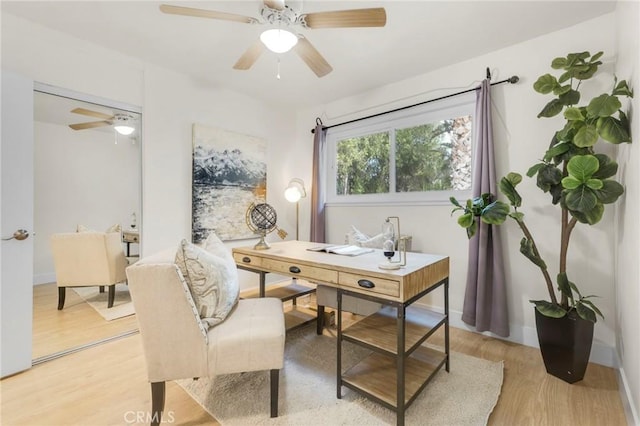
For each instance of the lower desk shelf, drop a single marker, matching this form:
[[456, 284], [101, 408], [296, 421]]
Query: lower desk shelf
[[290, 290], [376, 375]]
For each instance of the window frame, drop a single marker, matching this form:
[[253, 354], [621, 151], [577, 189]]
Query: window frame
[[427, 113]]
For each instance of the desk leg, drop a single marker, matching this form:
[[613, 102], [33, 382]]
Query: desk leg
[[446, 324], [262, 283], [400, 365], [339, 347]]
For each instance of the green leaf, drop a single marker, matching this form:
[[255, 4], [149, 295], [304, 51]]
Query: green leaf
[[594, 307], [471, 231], [603, 106], [559, 63], [507, 187], [551, 109], [534, 169], [526, 248], [545, 84], [591, 217], [585, 312], [610, 191], [563, 285], [548, 309], [596, 56], [565, 76], [454, 202], [622, 89], [570, 182], [586, 72], [556, 150], [581, 199], [548, 176], [613, 130], [572, 97], [573, 113], [607, 167], [517, 216], [466, 220], [594, 183], [582, 167], [495, 213], [586, 136]]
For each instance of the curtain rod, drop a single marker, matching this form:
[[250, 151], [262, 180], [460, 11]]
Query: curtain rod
[[512, 80]]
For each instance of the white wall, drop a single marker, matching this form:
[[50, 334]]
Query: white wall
[[80, 178], [170, 103], [627, 224], [520, 139]]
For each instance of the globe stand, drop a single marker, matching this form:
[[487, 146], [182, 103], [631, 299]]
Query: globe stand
[[262, 244]]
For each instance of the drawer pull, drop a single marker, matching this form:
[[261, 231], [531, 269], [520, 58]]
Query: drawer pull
[[294, 269], [366, 284], [246, 259]]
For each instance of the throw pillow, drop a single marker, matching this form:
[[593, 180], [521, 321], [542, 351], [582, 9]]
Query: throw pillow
[[358, 238], [215, 291]]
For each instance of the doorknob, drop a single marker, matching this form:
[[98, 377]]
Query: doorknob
[[20, 234]]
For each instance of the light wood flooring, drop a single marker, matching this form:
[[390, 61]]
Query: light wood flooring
[[106, 385]]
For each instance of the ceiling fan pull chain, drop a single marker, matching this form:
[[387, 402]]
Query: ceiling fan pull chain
[[278, 74]]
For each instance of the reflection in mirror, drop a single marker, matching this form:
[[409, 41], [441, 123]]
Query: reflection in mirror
[[87, 176]]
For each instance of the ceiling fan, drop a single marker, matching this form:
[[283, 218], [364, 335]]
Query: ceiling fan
[[281, 37], [121, 122]]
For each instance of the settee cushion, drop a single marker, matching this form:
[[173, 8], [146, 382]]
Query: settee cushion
[[213, 282], [112, 228]]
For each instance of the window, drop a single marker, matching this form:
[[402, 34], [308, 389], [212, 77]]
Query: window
[[417, 155]]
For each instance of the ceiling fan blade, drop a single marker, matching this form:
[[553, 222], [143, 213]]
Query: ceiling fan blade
[[91, 113], [250, 56], [373, 17], [90, 125], [202, 13], [274, 4], [312, 57]]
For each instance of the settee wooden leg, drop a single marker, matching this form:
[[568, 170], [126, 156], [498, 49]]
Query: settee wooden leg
[[61, 296], [112, 295], [275, 378], [157, 402], [101, 289], [320, 320]]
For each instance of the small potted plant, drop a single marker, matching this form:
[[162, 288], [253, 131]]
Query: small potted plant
[[580, 182]]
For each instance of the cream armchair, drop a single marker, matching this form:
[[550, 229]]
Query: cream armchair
[[84, 259], [177, 345]]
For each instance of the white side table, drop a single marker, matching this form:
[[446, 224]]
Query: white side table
[[130, 236]]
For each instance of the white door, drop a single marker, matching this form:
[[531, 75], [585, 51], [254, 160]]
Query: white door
[[16, 213]]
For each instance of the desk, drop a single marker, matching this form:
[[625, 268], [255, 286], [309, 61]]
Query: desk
[[130, 236], [395, 334]]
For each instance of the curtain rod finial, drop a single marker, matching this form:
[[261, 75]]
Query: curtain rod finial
[[488, 74], [514, 79]]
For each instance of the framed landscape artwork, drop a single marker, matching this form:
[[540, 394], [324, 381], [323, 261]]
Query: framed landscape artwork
[[229, 173]]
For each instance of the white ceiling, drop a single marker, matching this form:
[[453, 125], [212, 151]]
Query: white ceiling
[[420, 36]]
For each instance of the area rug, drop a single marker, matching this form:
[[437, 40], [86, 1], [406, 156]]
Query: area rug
[[122, 304], [465, 396]]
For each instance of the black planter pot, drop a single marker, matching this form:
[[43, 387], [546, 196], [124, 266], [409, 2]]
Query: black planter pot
[[565, 344]]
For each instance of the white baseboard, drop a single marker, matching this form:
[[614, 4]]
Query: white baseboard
[[600, 353], [44, 278], [631, 412]]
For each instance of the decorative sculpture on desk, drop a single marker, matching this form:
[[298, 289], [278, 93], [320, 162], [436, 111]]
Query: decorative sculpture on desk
[[261, 219], [389, 246]]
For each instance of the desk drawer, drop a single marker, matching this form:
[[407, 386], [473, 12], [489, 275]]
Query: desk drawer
[[247, 260], [303, 271], [378, 285]]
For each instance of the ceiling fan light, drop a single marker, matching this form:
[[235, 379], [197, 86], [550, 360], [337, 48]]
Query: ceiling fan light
[[124, 129], [278, 41]]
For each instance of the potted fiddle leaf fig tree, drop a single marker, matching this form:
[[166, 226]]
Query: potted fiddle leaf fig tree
[[580, 182]]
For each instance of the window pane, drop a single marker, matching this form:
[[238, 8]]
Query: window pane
[[363, 165], [434, 156]]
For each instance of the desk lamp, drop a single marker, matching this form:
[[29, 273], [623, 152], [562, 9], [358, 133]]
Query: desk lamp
[[389, 245]]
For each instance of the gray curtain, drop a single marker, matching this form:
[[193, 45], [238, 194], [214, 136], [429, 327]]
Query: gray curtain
[[317, 185], [485, 300]]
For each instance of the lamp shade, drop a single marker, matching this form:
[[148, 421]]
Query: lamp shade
[[295, 190], [278, 41], [122, 124], [124, 129]]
